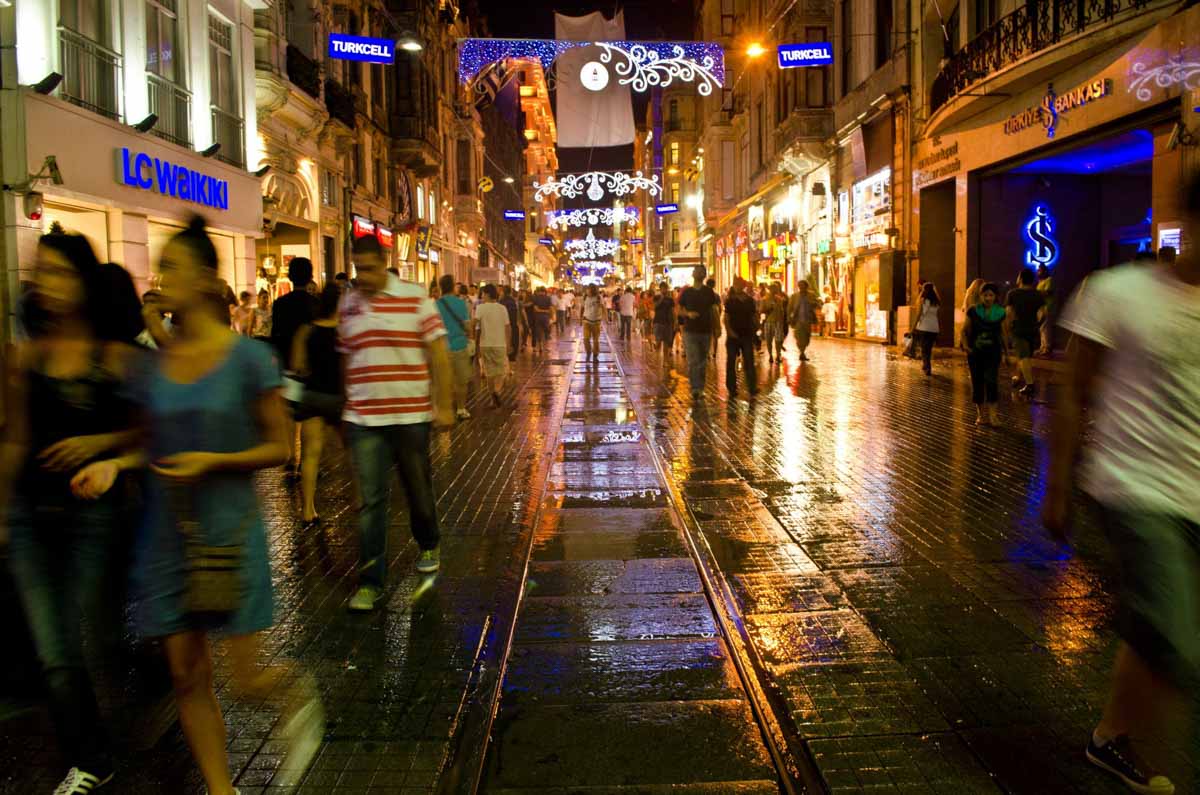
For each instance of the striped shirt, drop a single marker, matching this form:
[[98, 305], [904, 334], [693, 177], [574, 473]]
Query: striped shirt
[[384, 338]]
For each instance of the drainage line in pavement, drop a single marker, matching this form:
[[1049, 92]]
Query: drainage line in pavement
[[469, 744], [794, 766]]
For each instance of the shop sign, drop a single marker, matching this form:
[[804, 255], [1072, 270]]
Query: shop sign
[[362, 226], [1042, 248], [1169, 237], [666, 209], [755, 219], [871, 210], [742, 237], [546, 241], [637, 241], [139, 170], [514, 215], [815, 53], [823, 246], [1053, 105], [385, 236], [361, 48], [940, 163], [435, 257], [423, 242]]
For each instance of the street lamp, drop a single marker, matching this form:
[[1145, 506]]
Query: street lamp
[[409, 42], [755, 50]]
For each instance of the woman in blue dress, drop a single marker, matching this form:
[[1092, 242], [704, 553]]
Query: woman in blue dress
[[213, 416]]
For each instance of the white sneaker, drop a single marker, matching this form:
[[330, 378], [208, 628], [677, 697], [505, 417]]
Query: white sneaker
[[364, 599], [304, 731], [463, 414], [81, 782]]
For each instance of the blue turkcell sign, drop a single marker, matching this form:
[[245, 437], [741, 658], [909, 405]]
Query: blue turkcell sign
[[813, 53], [546, 241], [666, 209], [637, 241], [514, 215], [139, 170], [361, 48]]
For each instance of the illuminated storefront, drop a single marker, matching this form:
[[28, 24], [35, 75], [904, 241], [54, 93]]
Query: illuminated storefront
[[870, 217]]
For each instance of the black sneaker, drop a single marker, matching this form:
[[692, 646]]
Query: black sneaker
[[1118, 757]]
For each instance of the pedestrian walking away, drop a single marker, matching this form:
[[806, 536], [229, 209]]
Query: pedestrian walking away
[[665, 323], [984, 342], [492, 329], [543, 313], [741, 325], [510, 305], [774, 320], [802, 313], [925, 325], [627, 305], [460, 339], [1024, 315], [1045, 286], [696, 308], [1132, 379], [318, 365], [593, 317], [289, 313], [711, 284], [560, 312], [397, 389]]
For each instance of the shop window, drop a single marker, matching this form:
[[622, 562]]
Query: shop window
[[420, 201], [884, 31], [675, 193], [91, 73], [674, 153], [89, 18], [673, 115], [985, 15], [329, 189], [432, 207], [227, 126], [674, 238], [163, 57]]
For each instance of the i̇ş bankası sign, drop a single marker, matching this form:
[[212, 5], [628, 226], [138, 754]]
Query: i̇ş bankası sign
[[1053, 105], [361, 48], [139, 170]]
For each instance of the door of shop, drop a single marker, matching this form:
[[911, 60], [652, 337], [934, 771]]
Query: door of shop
[[937, 251]]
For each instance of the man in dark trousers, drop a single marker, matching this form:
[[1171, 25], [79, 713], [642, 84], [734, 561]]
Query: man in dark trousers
[[510, 304], [741, 325], [289, 314]]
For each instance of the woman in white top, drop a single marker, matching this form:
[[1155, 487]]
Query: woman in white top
[[925, 327]]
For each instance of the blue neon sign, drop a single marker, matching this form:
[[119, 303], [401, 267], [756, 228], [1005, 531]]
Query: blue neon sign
[[637, 241], [514, 215], [361, 48], [1039, 231], [814, 53], [666, 209], [139, 170], [546, 241]]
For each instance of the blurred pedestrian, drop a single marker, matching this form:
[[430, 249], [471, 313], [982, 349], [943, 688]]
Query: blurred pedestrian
[[696, 305], [715, 335], [456, 317], [243, 315], [774, 313], [1024, 313], [214, 416], [925, 324], [983, 340], [627, 306], [665, 323], [970, 300], [593, 316], [829, 311], [290, 312], [262, 316], [492, 331], [510, 305], [64, 410], [317, 363], [560, 312], [1045, 286], [1134, 377], [543, 315], [741, 326], [802, 313], [397, 389]]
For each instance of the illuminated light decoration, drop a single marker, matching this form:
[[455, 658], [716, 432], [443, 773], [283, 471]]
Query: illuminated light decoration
[[591, 246], [639, 65], [666, 209], [514, 215], [592, 216], [1175, 72], [593, 266], [594, 184], [1039, 230]]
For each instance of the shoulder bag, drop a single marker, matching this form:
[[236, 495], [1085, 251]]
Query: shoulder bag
[[461, 327], [213, 584]]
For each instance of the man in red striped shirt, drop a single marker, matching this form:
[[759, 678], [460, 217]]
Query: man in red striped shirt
[[397, 377]]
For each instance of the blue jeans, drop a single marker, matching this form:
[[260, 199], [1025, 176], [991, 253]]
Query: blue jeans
[[60, 555], [695, 345], [375, 451]]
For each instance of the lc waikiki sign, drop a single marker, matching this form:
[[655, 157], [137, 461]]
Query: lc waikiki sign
[[1053, 105], [139, 170], [361, 48]]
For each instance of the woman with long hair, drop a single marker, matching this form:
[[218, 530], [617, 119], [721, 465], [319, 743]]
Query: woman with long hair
[[316, 360], [65, 410], [213, 415], [925, 324], [985, 344]]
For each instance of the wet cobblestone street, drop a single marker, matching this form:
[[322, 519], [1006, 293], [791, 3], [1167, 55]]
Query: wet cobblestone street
[[843, 582]]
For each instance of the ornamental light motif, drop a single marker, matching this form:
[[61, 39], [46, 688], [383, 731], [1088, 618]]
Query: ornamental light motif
[[642, 68], [1175, 72], [591, 246], [594, 184], [592, 216]]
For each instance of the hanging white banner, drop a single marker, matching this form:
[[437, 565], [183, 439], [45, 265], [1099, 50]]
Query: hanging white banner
[[592, 107]]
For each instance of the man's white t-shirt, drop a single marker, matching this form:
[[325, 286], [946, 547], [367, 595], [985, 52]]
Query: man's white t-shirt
[[628, 303], [554, 302], [492, 318], [566, 302], [830, 310], [593, 309], [1146, 450]]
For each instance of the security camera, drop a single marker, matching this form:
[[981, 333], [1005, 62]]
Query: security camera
[[33, 206], [52, 165], [1180, 136]]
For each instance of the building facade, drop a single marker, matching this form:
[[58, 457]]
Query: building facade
[[541, 165]]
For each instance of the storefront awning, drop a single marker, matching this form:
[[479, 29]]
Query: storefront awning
[[772, 184]]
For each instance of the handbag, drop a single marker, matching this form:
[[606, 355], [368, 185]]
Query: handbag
[[212, 573]]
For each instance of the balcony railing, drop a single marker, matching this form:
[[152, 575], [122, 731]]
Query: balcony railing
[[173, 106], [339, 103], [229, 132], [1034, 26], [91, 74], [304, 72]]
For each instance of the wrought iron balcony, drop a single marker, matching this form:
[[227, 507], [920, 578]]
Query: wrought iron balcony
[[173, 106], [1033, 27], [91, 74], [340, 103], [304, 72], [229, 132]]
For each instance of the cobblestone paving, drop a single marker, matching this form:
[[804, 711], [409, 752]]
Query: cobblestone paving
[[906, 611]]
